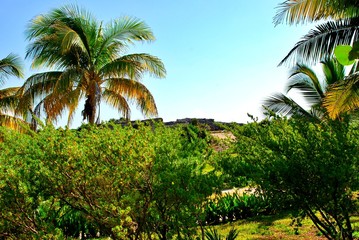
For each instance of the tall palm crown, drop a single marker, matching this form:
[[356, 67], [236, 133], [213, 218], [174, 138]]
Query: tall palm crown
[[309, 84], [90, 62], [341, 28], [9, 66]]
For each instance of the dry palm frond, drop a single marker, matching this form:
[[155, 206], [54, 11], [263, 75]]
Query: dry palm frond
[[343, 97]]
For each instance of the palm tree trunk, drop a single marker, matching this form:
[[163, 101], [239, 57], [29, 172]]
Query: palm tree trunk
[[89, 111]]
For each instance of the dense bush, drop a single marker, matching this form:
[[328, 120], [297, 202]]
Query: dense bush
[[134, 183], [311, 168], [114, 181]]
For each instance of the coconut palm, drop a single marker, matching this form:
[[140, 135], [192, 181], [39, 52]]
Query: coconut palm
[[313, 89], [342, 27], [9, 66], [87, 60]]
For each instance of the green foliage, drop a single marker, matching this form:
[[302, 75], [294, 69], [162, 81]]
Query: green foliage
[[116, 181], [309, 167], [231, 207], [234, 171], [212, 234], [347, 54], [342, 53], [104, 70]]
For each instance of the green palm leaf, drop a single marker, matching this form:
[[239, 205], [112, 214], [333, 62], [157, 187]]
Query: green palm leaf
[[134, 65], [127, 29], [321, 41], [286, 106], [10, 66], [333, 71], [9, 97], [304, 79]]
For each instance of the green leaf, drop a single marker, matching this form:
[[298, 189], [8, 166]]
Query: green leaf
[[341, 52]]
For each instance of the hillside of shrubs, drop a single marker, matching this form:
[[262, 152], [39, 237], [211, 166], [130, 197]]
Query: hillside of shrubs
[[158, 182]]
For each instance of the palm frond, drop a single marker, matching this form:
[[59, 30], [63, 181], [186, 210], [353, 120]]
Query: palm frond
[[11, 122], [333, 71], [147, 63], [118, 34], [318, 112], [35, 114], [69, 79], [136, 92], [321, 41], [59, 36], [343, 97], [134, 66], [41, 83], [303, 11], [72, 106], [118, 102], [283, 105], [10, 66], [8, 92], [305, 80], [127, 29], [9, 99], [56, 103]]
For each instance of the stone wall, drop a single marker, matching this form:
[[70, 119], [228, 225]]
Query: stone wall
[[207, 122]]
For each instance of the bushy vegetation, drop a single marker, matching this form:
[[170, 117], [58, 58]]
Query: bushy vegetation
[[234, 206], [307, 167], [125, 183], [156, 182]]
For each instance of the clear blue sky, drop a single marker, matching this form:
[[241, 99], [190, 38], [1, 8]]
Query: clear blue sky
[[221, 56]]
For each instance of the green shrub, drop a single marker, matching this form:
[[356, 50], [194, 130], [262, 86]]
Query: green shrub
[[117, 181], [310, 168], [231, 207]]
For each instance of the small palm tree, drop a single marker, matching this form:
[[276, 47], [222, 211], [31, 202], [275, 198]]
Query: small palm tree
[[9, 66], [90, 63], [307, 82]]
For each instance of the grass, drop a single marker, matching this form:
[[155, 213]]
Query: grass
[[276, 227]]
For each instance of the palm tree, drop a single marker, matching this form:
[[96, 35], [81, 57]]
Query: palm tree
[[9, 66], [90, 63], [342, 28], [310, 86]]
